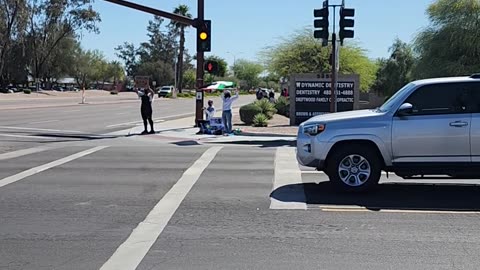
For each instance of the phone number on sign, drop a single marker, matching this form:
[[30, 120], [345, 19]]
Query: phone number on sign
[[344, 92]]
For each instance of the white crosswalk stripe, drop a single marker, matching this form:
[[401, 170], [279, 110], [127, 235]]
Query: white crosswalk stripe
[[287, 172]]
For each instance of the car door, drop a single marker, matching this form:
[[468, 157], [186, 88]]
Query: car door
[[475, 129], [437, 130]]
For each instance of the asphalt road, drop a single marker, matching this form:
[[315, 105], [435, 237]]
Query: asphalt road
[[142, 203], [68, 121]]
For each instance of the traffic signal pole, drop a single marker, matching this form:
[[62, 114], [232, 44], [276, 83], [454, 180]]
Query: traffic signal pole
[[333, 94], [196, 23], [199, 97], [322, 32]]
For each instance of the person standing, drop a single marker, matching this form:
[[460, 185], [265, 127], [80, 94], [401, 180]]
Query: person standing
[[271, 96], [147, 95], [227, 110]]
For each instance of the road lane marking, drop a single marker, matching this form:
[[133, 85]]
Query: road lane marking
[[287, 173], [25, 136], [40, 129], [133, 123], [362, 209], [163, 119], [41, 168], [131, 252], [43, 122], [322, 172], [24, 152]]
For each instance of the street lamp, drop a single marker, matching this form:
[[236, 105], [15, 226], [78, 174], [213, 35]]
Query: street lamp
[[234, 59]]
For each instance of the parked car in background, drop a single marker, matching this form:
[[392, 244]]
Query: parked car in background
[[429, 127], [164, 91]]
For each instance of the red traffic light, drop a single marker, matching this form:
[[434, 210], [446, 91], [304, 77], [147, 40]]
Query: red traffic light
[[211, 67]]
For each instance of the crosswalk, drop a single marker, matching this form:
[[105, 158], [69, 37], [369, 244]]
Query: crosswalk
[[127, 195]]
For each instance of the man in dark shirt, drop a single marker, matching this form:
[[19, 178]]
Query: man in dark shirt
[[146, 109]]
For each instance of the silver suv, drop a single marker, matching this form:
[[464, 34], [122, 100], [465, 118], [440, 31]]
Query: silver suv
[[429, 127]]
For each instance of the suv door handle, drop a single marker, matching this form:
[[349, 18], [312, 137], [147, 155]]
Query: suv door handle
[[458, 124]]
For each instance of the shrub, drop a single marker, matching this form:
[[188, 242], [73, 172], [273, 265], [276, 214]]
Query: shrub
[[260, 120], [283, 106], [248, 112], [168, 95], [266, 107], [27, 91], [185, 95]]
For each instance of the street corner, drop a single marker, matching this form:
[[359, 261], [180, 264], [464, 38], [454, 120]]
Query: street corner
[[186, 136]]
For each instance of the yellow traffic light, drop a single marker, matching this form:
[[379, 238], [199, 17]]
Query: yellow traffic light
[[203, 36]]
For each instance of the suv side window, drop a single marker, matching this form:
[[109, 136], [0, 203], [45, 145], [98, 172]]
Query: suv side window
[[475, 94], [445, 98]]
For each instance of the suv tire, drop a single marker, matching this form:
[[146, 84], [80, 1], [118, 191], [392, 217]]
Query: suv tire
[[354, 168]]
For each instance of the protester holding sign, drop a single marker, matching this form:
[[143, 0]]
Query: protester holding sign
[[227, 110], [146, 95]]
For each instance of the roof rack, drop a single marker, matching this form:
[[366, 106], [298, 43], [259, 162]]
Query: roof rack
[[475, 76]]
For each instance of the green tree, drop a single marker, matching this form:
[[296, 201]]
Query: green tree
[[302, 53], [396, 71], [115, 71], [50, 22], [158, 71], [449, 46], [179, 30], [13, 21], [248, 71], [59, 64], [161, 45], [129, 55], [189, 78], [82, 68], [222, 64]]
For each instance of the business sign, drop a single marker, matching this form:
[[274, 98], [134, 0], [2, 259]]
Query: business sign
[[312, 97], [142, 82]]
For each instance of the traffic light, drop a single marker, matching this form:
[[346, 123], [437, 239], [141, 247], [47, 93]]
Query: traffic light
[[203, 36], [211, 67], [346, 20], [322, 24]]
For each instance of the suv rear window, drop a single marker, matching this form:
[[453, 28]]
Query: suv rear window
[[446, 98]]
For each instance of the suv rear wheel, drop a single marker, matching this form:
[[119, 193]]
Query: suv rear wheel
[[354, 168]]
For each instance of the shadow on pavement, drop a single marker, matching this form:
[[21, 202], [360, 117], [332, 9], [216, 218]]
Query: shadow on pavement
[[252, 134], [260, 143], [186, 143], [404, 196]]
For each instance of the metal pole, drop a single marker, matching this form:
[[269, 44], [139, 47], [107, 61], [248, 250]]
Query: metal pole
[[333, 94], [333, 88], [200, 72], [168, 15]]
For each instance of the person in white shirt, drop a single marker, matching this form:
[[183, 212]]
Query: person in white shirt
[[227, 110], [209, 111], [209, 114]]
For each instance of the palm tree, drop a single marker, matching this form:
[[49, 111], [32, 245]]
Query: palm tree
[[180, 31]]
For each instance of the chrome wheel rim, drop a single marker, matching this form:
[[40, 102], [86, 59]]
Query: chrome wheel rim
[[354, 170]]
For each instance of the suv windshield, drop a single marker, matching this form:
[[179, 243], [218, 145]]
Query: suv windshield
[[165, 88], [387, 106]]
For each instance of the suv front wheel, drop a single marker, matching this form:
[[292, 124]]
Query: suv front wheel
[[354, 168]]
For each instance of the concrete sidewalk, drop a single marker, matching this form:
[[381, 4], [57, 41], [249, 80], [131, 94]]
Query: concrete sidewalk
[[183, 130]]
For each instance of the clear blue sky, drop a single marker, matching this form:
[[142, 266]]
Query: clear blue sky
[[246, 27]]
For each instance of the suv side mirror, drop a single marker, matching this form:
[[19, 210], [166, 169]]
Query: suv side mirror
[[405, 109]]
